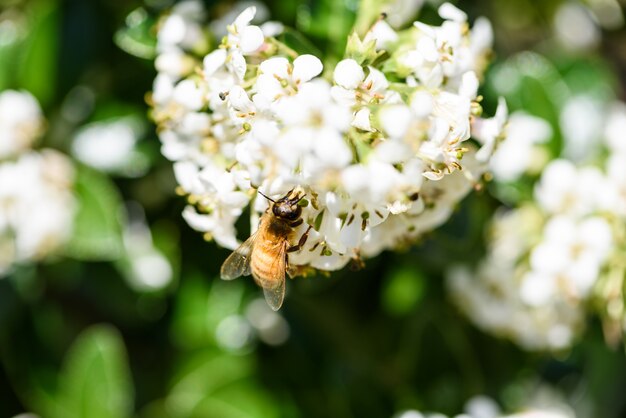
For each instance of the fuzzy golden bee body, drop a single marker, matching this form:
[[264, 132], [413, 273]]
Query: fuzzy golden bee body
[[264, 254]]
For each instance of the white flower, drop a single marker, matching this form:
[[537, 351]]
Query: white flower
[[395, 121], [21, 122], [248, 38], [147, 269], [450, 12], [162, 88], [616, 176], [537, 305], [107, 146], [581, 121], [174, 63], [565, 189], [514, 156], [218, 199], [189, 93], [313, 105], [30, 230], [442, 55], [382, 33], [354, 88], [572, 253], [348, 74], [400, 12], [482, 407], [281, 78], [450, 127], [615, 129], [272, 29], [181, 29], [575, 27], [489, 131], [242, 39]]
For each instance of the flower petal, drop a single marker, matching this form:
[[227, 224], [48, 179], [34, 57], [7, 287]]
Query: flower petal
[[277, 66], [238, 64], [251, 39], [305, 67], [348, 74], [239, 99], [362, 120], [449, 12], [268, 87], [214, 61], [244, 18]]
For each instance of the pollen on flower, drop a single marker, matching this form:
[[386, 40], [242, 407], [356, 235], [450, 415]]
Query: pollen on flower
[[380, 162]]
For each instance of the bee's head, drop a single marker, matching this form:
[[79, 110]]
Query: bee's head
[[288, 210], [287, 206]]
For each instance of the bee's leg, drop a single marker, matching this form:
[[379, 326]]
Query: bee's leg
[[301, 242]]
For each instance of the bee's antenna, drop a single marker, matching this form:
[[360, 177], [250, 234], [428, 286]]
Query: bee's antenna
[[296, 201], [268, 198]]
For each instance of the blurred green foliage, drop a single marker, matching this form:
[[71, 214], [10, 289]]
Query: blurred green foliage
[[98, 225]]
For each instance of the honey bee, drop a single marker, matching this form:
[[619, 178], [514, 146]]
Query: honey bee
[[265, 253]]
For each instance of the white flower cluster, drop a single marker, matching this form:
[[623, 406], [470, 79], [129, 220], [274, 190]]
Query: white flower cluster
[[521, 152], [379, 143], [547, 258], [21, 122], [543, 404], [578, 25], [36, 202]]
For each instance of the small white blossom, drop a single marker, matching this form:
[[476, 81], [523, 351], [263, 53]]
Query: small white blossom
[[243, 39], [615, 128], [348, 74], [515, 156], [489, 131], [30, 230], [382, 33], [575, 27], [280, 78], [107, 146], [581, 122], [565, 189], [21, 122]]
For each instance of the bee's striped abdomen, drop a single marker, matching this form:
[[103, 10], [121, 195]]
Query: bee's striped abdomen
[[267, 262]]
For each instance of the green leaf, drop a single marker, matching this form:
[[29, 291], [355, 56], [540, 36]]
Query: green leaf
[[213, 384], [207, 371], [243, 400], [200, 306], [362, 53], [327, 20], [36, 69], [96, 380], [138, 36], [403, 290], [8, 55], [98, 227], [298, 42]]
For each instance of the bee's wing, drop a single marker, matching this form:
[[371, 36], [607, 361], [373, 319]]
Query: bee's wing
[[275, 291], [238, 263]]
